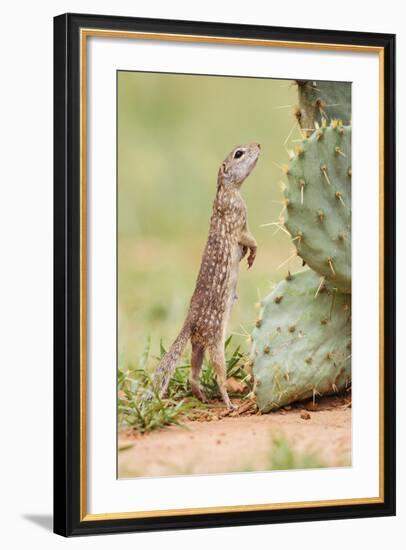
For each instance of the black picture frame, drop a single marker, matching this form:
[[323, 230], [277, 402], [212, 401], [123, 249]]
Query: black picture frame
[[67, 288]]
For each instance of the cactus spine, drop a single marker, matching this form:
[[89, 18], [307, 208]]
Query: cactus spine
[[302, 345], [318, 199], [302, 340], [322, 101]]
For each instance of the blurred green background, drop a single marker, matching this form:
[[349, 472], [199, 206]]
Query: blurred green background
[[173, 133]]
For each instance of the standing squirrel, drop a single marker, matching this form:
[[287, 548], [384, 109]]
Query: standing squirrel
[[228, 242]]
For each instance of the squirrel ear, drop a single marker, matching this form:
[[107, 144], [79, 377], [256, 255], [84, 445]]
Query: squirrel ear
[[224, 168]]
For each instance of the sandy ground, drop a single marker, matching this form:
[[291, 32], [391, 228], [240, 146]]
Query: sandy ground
[[241, 441]]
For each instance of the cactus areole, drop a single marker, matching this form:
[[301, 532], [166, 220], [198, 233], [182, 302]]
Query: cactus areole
[[318, 203], [302, 347], [320, 101]]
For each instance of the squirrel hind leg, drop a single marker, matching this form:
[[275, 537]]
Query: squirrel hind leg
[[219, 363], [196, 363]]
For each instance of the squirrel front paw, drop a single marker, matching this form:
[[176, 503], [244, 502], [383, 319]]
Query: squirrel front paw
[[252, 256], [243, 251]]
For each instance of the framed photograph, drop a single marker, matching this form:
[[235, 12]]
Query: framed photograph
[[224, 274]]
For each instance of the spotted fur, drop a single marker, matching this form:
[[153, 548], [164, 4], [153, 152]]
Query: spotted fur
[[228, 242]]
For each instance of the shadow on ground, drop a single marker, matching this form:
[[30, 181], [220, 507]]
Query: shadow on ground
[[42, 520]]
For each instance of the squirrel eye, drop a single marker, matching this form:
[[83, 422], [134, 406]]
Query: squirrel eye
[[238, 154]]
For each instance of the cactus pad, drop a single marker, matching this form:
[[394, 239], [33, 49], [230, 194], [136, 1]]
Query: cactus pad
[[302, 342], [318, 203], [322, 101]]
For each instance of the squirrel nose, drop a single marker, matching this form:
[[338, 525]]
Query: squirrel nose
[[259, 145]]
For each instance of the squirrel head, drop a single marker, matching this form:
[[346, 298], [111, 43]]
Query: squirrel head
[[238, 165]]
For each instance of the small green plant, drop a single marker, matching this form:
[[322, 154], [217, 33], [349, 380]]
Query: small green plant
[[283, 457], [154, 413], [135, 382], [179, 386]]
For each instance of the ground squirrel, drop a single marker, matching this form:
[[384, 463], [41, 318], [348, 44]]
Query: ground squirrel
[[228, 242]]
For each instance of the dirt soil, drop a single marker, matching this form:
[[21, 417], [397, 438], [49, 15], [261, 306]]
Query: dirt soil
[[216, 442]]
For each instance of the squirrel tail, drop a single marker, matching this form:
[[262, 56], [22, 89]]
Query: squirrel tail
[[169, 361]]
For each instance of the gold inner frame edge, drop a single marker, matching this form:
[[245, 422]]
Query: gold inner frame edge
[[84, 34]]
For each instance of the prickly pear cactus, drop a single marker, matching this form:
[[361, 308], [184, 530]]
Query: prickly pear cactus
[[318, 203], [302, 342], [322, 101]]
